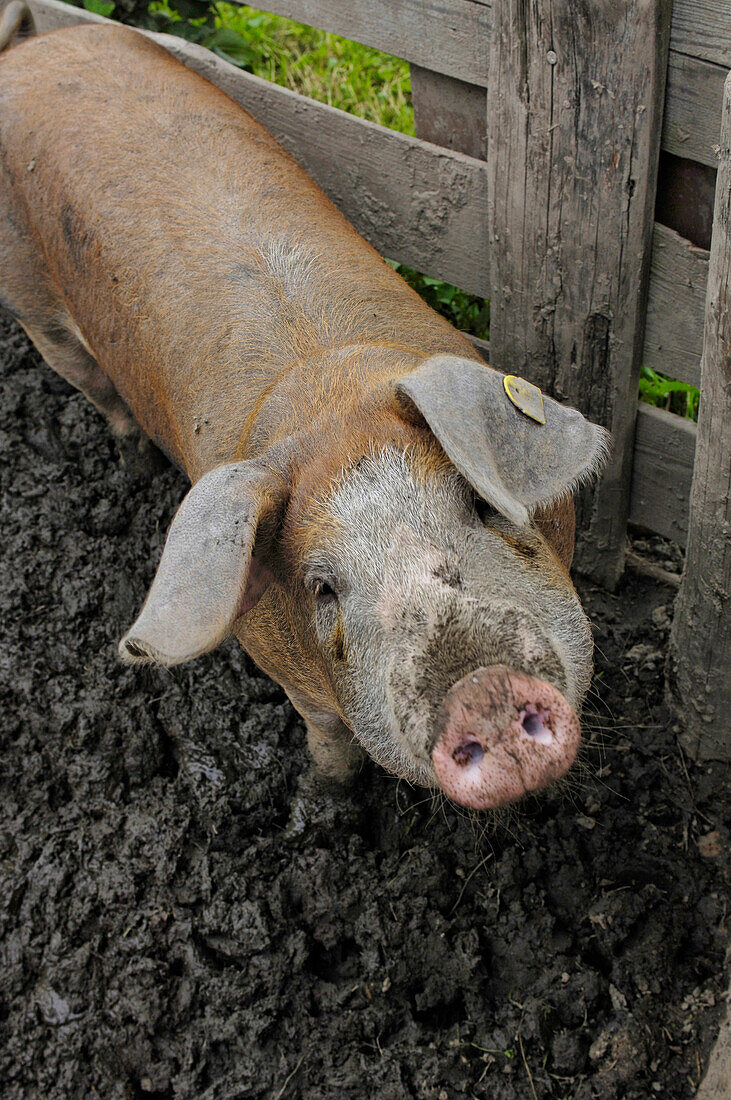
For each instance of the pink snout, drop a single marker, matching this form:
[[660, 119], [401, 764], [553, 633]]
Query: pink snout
[[501, 734]]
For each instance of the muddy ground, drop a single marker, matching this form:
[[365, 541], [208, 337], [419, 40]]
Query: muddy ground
[[180, 917]]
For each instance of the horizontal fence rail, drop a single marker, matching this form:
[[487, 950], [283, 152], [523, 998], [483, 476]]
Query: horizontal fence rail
[[693, 97], [452, 37], [702, 28], [699, 28], [447, 36], [424, 205]]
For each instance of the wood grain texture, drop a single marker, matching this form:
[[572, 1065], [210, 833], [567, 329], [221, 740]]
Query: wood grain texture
[[436, 33], [700, 645], [675, 306], [447, 36], [661, 472], [483, 346], [702, 28], [449, 112], [415, 202], [693, 100], [574, 111], [452, 38]]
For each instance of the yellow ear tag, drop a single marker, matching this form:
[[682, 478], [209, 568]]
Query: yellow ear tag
[[525, 396]]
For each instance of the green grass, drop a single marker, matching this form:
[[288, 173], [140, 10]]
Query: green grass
[[324, 66], [666, 393], [328, 68]]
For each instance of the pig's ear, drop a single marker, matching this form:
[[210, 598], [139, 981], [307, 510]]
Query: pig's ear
[[513, 462], [209, 574]]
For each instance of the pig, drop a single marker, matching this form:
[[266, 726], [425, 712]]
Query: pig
[[380, 521]]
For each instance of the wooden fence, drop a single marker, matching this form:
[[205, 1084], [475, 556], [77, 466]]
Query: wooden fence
[[532, 182]]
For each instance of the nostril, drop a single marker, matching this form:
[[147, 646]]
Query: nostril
[[468, 752], [535, 723]]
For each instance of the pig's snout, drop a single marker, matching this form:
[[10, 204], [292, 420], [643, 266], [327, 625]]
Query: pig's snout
[[500, 734]]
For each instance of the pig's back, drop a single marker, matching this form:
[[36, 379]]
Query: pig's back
[[198, 261]]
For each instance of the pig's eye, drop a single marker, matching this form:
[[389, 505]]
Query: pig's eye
[[324, 592]]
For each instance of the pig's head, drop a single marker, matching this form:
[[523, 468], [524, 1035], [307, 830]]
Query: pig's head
[[412, 596]]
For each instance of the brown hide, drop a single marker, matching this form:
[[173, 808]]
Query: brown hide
[[201, 265], [557, 524], [229, 302]]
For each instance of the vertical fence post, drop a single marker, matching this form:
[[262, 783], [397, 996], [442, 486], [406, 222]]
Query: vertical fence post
[[574, 114], [699, 665]]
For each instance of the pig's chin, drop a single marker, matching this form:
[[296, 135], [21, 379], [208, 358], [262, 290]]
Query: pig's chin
[[399, 763]]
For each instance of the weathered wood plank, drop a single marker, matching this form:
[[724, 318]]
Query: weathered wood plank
[[449, 112], [452, 113], [661, 472], [447, 36], [702, 28], [700, 644], [417, 203], [438, 30], [483, 346], [574, 111], [693, 100], [452, 38], [675, 306]]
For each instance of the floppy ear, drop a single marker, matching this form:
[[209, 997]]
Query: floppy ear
[[512, 462], [208, 575]]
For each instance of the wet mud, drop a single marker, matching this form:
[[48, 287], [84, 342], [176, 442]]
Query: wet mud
[[184, 914]]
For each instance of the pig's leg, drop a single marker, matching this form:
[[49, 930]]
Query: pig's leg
[[65, 354], [323, 789], [28, 292], [334, 752]]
